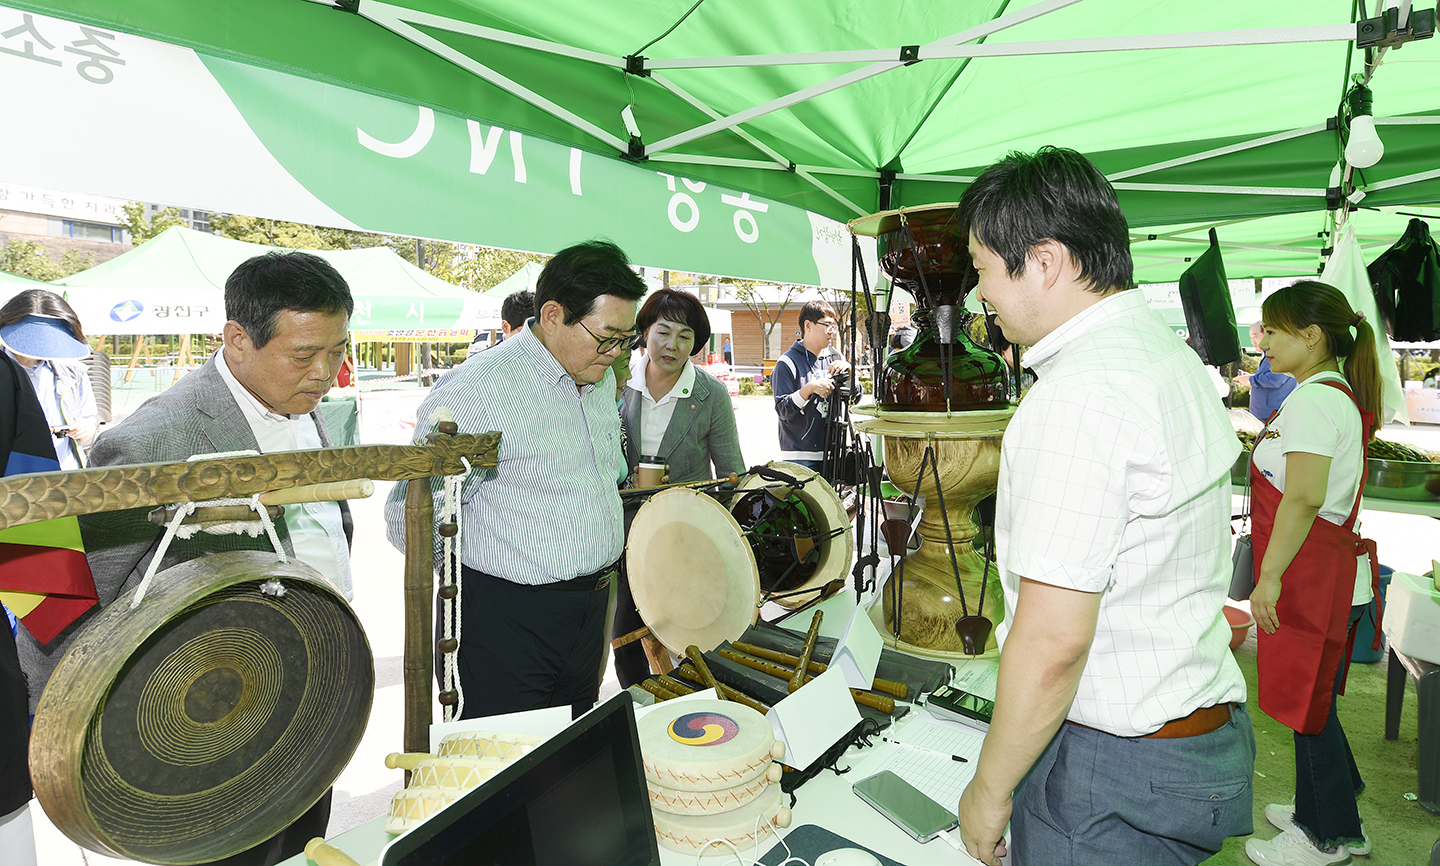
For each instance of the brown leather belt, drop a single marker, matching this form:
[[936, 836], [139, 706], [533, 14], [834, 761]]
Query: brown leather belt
[[1202, 721]]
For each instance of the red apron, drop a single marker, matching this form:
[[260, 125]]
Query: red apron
[[1298, 663]]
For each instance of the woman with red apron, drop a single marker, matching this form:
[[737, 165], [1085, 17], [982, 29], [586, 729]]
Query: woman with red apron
[[1307, 474]]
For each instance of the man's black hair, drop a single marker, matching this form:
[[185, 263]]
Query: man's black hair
[[814, 311], [517, 308], [578, 275], [1053, 194], [261, 287]]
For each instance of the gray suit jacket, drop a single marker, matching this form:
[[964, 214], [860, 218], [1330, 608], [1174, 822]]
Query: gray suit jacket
[[197, 415], [701, 433]]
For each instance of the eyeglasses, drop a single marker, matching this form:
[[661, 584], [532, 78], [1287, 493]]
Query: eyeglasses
[[606, 345]]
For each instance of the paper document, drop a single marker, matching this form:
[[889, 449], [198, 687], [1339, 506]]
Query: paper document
[[936, 775]]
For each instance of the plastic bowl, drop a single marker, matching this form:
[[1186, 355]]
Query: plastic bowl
[[1240, 623]]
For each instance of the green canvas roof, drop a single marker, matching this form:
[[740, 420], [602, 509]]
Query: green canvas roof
[[1216, 113]]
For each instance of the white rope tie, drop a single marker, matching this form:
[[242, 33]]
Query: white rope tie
[[450, 617], [249, 527]]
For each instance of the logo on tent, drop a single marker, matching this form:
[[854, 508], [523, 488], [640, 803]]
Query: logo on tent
[[126, 310]]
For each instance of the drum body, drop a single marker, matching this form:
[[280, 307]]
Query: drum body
[[693, 572], [207, 719]]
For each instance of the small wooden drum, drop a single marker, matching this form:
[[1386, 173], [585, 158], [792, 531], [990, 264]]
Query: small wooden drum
[[207, 719], [710, 768], [706, 745], [483, 744], [411, 807], [743, 827]]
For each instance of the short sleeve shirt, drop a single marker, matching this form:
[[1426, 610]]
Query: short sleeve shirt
[[1114, 479]]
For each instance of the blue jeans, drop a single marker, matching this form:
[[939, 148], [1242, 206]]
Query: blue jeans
[[1326, 778], [808, 464], [1094, 798]]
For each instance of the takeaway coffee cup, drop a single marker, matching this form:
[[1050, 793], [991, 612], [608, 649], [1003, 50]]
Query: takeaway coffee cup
[[650, 474]]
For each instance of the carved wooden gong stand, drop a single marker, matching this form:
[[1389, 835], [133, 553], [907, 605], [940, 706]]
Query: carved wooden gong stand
[[44, 496]]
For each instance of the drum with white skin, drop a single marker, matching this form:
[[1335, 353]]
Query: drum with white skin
[[710, 769]]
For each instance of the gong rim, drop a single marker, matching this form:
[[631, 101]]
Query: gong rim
[[141, 693], [692, 573]]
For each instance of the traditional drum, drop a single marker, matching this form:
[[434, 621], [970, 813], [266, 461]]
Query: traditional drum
[[824, 517], [692, 574], [742, 827], [483, 744], [710, 769], [693, 569], [411, 807], [207, 719]]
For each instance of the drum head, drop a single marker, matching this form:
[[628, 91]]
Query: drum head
[[207, 719], [837, 554], [691, 571]]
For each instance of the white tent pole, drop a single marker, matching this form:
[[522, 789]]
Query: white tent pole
[[1096, 45], [823, 187], [1007, 20], [381, 12], [1219, 151], [1417, 177], [1298, 192], [374, 11], [780, 161]]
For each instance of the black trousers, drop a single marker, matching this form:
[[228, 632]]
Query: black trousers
[[528, 647], [631, 665]]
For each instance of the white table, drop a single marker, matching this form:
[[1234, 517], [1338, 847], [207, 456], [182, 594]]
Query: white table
[[826, 801]]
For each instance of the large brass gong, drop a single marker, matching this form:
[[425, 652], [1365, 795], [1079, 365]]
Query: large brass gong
[[207, 719]]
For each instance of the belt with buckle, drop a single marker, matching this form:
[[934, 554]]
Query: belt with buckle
[[1202, 721]]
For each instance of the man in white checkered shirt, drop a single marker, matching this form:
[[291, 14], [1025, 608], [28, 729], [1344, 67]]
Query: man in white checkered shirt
[[1120, 733]]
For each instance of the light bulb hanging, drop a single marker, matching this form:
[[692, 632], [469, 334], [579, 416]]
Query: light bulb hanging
[[1363, 148]]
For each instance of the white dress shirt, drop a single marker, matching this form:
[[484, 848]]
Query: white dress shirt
[[317, 531], [1114, 479], [655, 414]]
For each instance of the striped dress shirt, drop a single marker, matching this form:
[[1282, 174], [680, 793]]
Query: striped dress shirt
[[550, 510]]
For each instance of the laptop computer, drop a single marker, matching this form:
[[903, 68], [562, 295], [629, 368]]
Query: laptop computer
[[578, 799]]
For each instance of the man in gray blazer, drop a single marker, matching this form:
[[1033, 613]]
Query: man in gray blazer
[[283, 345]]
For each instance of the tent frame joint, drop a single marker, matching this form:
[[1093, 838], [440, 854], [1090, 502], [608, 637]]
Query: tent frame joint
[[635, 65], [909, 54]]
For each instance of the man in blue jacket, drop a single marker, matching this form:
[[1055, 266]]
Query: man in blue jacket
[[802, 381], [1268, 389]]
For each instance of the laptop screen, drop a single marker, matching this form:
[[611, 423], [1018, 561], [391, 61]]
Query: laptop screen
[[578, 799]]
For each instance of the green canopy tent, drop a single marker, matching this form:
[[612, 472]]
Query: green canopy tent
[[174, 284], [442, 118]]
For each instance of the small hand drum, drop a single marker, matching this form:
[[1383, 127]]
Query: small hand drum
[[207, 719]]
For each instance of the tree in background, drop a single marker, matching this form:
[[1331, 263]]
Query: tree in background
[[767, 310], [141, 228], [30, 259]]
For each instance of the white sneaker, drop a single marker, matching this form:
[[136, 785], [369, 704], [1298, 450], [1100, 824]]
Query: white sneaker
[[1282, 815], [1292, 848]]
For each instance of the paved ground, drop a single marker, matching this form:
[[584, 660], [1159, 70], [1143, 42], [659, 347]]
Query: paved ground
[[363, 791]]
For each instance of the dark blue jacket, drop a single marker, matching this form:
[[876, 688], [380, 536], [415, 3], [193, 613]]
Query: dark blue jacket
[[802, 425]]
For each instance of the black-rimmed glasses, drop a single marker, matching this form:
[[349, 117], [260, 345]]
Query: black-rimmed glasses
[[606, 345]]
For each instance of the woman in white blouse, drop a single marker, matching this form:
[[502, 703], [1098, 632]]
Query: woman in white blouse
[[673, 413], [1314, 579]]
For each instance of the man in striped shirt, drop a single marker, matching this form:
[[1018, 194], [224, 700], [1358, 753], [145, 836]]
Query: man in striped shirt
[[542, 531]]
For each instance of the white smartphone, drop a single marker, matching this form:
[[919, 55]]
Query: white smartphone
[[905, 805]]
